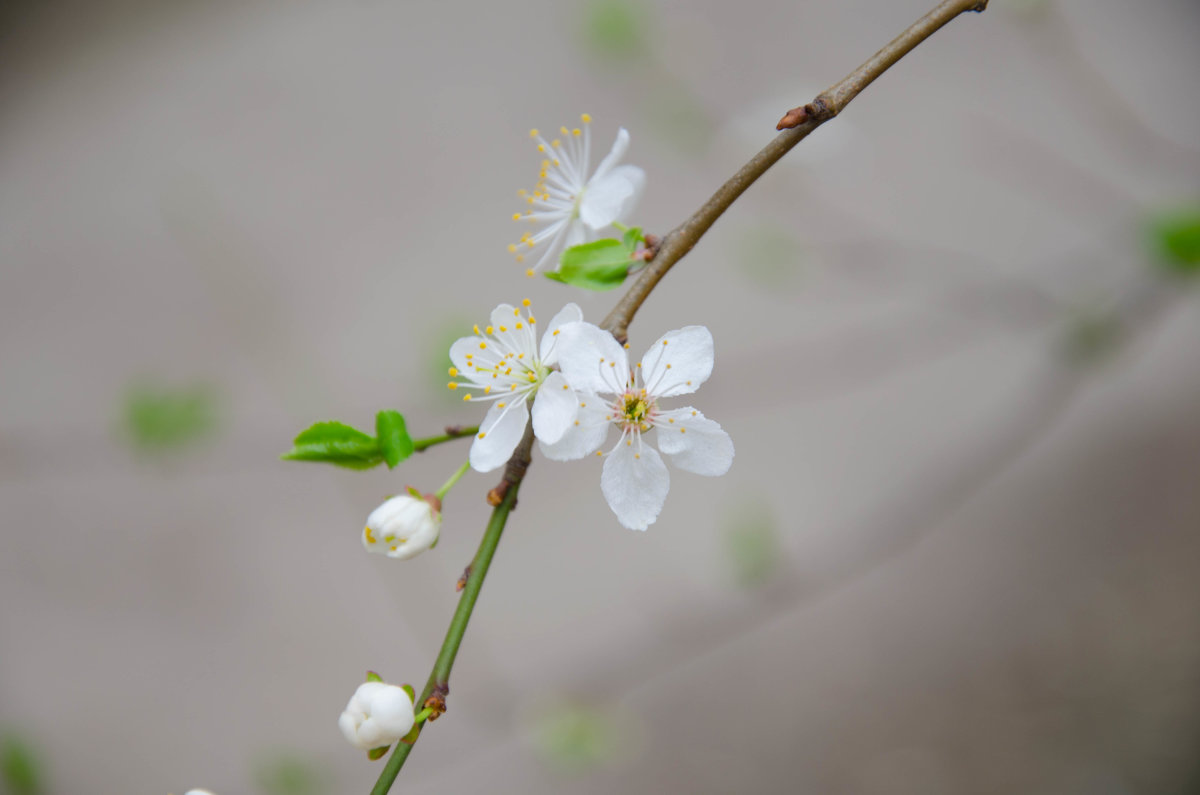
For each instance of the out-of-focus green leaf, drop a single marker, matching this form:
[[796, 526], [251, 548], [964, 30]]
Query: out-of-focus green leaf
[[631, 238], [336, 443], [394, 441], [770, 257], [616, 29], [165, 418], [1175, 238], [20, 768], [290, 774], [577, 737], [599, 265], [752, 541]]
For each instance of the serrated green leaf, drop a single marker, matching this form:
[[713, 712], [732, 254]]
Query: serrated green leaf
[[336, 443], [1175, 237], [393, 438], [599, 265], [631, 238]]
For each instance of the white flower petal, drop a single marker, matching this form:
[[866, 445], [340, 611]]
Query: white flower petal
[[635, 177], [604, 200], [499, 434], [378, 714], [585, 435], [693, 442], [571, 313], [635, 482], [679, 362], [554, 408], [591, 359], [613, 157]]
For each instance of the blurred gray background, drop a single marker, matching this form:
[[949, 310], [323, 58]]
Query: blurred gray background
[[958, 549]]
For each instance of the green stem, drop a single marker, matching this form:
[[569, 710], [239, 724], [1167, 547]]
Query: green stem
[[621, 226], [440, 676], [449, 484], [430, 441]]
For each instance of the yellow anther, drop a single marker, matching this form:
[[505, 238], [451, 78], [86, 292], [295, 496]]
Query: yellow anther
[[482, 434], [532, 320], [482, 345], [530, 200], [566, 386], [670, 420], [529, 271], [629, 442], [689, 383], [627, 348], [532, 377], [555, 334], [470, 356], [499, 405], [545, 164], [576, 422], [512, 388], [556, 143], [487, 389], [394, 547], [637, 455], [556, 162], [491, 330], [694, 413], [467, 396], [664, 342], [577, 132], [504, 328], [582, 404], [525, 302], [533, 133], [508, 371], [390, 537], [451, 385], [512, 248], [668, 366], [541, 147], [516, 216], [367, 535], [599, 453], [601, 360], [586, 118], [520, 355], [520, 326], [521, 258], [453, 372], [522, 192], [683, 430], [562, 130], [639, 365]]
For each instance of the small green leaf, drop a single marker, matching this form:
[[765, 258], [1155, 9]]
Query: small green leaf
[[752, 542], [376, 753], [599, 265], [20, 768], [161, 418], [373, 677], [1175, 237], [336, 443], [393, 437], [290, 773], [631, 238], [413, 491], [412, 694]]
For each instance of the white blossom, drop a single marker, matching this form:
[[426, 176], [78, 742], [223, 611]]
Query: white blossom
[[504, 363], [378, 714], [404, 526], [569, 206], [635, 480]]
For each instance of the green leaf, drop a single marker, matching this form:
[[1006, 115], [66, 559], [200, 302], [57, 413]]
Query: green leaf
[[161, 418], [376, 753], [290, 773], [616, 29], [599, 265], [412, 694], [752, 542], [335, 443], [20, 768], [631, 238], [373, 677], [393, 437], [1175, 237]]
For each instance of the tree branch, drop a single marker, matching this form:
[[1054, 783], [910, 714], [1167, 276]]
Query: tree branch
[[799, 123], [438, 685]]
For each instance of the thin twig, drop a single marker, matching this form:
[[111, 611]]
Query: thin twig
[[829, 103], [438, 685]]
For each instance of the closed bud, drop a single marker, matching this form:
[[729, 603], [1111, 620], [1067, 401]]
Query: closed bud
[[404, 526], [377, 716]]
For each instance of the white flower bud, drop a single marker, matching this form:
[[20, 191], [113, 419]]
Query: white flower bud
[[403, 526], [378, 714]]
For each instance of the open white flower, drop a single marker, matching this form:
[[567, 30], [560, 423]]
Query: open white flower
[[567, 204], [404, 526], [378, 714], [505, 364], [635, 479]]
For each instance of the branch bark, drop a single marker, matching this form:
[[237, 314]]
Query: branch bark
[[799, 122]]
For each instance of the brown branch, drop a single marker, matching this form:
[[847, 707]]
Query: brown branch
[[799, 123]]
